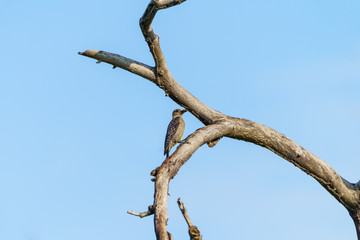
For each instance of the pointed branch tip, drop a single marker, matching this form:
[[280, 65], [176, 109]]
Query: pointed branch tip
[[184, 212], [149, 212]]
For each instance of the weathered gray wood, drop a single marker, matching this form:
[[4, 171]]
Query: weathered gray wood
[[217, 126]]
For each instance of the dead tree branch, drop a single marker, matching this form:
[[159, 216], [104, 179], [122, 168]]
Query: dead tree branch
[[217, 126], [172, 165], [149, 212], [194, 232], [184, 212], [128, 64]]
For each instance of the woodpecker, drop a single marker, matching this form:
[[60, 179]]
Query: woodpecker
[[174, 131]]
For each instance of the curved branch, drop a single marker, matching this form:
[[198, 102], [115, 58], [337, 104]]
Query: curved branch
[[219, 125], [171, 87], [309, 163], [160, 74], [172, 165], [152, 39], [164, 78]]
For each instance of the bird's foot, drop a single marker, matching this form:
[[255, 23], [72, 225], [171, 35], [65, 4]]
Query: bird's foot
[[184, 141]]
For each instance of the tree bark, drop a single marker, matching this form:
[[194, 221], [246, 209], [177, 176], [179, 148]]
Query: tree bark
[[356, 218], [218, 125]]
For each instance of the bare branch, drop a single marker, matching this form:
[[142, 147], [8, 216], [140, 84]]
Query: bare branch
[[160, 75], [172, 165], [194, 232], [128, 64], [173, 89], [218, 125], [152, 39], [288, 149], [184, 212], [164, 78], [149, 212]]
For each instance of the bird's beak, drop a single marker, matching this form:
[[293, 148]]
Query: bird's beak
[[183, 111]]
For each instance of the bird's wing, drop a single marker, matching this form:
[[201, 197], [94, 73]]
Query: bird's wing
[[171, 130]]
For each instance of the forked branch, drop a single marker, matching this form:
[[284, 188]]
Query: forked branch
[[217, 126]]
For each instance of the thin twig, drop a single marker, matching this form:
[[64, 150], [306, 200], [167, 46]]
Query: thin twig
[[194, 232], [184, 212], [149, 212]]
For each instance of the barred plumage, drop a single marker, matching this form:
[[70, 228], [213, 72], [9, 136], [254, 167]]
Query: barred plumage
[[174, 131]]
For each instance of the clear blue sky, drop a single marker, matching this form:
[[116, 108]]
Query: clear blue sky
[[78, 139]]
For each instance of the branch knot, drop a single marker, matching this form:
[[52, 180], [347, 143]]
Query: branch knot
[[194, 233]]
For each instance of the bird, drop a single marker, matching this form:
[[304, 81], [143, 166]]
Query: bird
[[174, 131]]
